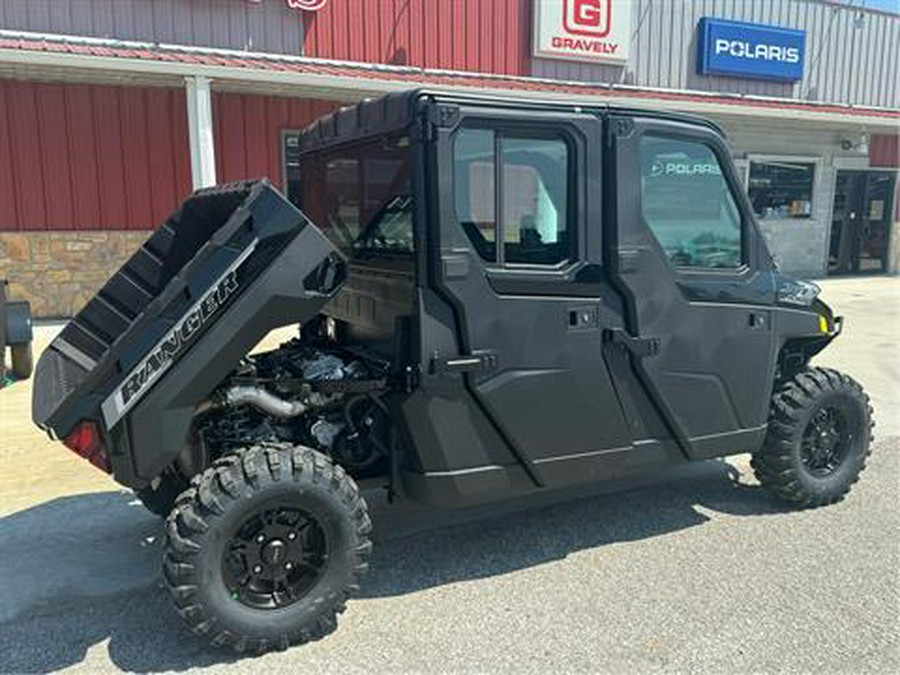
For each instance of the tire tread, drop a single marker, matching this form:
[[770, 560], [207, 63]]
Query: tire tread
[[230, 479], [774, 464]]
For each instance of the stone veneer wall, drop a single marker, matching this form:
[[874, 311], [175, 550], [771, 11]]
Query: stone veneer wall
[[58, 272]]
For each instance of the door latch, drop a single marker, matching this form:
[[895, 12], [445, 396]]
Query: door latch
[[638, 346], [479, 361], [758, 321], [584, 318]]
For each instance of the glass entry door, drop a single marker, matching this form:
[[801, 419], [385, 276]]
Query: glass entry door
[[861, 221]]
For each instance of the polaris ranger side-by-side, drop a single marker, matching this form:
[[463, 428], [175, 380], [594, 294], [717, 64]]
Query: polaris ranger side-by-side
[[496, 297]]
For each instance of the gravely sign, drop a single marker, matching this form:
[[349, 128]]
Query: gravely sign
[[583, 30]]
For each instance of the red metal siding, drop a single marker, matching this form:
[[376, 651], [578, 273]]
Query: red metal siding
[[8, 211], [884, 151], [248, 132], [54, 155], [111, 171], [90, 157], [488, 36], [25, 150], [85, 175]]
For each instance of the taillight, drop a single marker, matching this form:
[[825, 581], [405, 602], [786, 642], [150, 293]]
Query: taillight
[[85, 440]]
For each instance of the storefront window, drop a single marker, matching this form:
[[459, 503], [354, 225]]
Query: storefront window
[[781, 189]]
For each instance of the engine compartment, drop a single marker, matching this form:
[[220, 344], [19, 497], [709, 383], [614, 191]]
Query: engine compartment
[[313, 393]]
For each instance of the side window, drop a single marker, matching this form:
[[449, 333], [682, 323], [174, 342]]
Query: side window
[[473, 182], [534, 211], [688, 205], [535, 200]]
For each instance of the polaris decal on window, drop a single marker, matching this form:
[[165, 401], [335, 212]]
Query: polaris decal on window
[[684, 168], [170, 347]]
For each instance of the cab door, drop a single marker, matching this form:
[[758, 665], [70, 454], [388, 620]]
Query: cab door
[[696, 281], [518, 256]]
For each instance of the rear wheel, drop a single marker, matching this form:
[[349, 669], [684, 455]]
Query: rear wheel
[[818, 441], [265, 548], [22, 360]]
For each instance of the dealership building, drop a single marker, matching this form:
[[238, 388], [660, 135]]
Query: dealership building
[[112, 111]]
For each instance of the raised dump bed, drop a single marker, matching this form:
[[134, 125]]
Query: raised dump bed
[[230, 264]]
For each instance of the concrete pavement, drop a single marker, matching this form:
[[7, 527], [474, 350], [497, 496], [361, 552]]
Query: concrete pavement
[[702, 572], [869, 349]]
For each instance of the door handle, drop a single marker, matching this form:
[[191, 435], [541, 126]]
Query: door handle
[[480, 360], [455, 266], [628, 260]]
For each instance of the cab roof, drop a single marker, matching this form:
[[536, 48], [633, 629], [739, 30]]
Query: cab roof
[[396, 111]]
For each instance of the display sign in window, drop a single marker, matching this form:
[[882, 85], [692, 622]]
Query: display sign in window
[[781, 189]]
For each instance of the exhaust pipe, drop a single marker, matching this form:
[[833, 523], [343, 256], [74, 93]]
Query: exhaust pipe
[[257, 397], [264, 400]]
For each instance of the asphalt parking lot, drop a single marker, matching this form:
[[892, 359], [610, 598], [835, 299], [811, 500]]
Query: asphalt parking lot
[[693, 571]]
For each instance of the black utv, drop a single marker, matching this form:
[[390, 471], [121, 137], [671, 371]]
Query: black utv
[[496, 297]]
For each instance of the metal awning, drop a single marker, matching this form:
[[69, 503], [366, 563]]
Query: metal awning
[[46, 56]]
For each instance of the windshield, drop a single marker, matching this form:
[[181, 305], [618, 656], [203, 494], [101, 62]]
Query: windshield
[[360, 197]]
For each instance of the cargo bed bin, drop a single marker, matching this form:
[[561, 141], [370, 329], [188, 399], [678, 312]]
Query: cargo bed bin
[[229, 265]]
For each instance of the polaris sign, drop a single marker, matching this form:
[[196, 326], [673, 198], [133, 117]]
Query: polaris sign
[[749, 50]]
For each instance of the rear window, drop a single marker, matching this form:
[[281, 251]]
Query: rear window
[[359, 195]]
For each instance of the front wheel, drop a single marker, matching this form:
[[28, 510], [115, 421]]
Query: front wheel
[[265, 548], [818, 440]]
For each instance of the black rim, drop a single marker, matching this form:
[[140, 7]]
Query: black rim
[[826, 441], [276, 556]]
